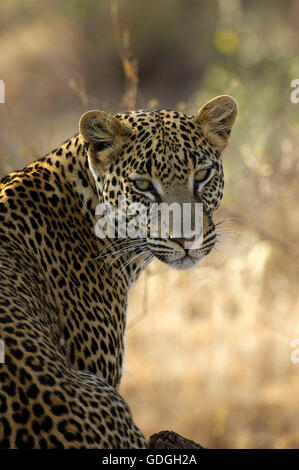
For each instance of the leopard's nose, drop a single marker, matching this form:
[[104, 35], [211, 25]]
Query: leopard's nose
[[184, 241]]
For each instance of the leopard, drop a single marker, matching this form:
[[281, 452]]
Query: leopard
[[64, 286]]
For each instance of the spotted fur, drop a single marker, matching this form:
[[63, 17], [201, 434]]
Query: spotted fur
[[63, 290]]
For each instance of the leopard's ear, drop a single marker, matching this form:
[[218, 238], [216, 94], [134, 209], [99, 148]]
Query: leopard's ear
[[216, 119], [104, 133]]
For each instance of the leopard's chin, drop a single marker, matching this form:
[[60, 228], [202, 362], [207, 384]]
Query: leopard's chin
[[185, 262]]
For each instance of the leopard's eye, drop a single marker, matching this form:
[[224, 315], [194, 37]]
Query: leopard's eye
[[202, 175], [143, 185]]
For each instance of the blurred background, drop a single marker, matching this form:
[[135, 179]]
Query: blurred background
[[208, 351]]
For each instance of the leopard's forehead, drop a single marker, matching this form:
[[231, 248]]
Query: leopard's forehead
[[166, 143], [169, 121]]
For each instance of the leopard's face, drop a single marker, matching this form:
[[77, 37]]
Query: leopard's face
[[168, 158]]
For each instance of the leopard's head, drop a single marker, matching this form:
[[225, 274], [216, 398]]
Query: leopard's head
[[163, 157]]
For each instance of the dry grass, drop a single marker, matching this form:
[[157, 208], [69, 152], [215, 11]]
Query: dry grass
[[211, 357]]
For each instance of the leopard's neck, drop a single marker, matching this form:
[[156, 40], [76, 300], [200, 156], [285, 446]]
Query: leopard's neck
[[104, 275]]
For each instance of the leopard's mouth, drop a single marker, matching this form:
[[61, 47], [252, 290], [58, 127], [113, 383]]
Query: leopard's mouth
[[182, 260], [182, 253], [185, 262]]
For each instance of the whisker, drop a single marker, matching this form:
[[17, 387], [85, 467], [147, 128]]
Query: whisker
[[111, 245], [237, 251], [230, 260], [231, 218], [229, 238], [133, 245], [142, 263], [114, 244], [228, 230], [127, 264], [222, 254], [122, 252]]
